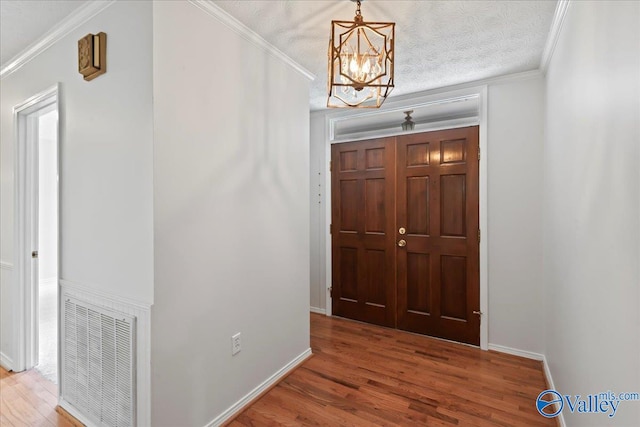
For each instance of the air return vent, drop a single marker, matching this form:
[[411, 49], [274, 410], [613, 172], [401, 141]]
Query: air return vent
[[98, 370]]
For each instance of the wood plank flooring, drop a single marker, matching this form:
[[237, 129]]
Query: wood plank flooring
[[360, 375], [363, 375], [28, 399]]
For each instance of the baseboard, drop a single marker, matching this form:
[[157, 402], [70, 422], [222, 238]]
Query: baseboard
[[318, 310], [247, 400], [516, 352], [549, 378], [6, 362], [535, 356]]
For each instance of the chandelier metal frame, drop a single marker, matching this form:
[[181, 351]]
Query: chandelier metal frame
[[360, 72]]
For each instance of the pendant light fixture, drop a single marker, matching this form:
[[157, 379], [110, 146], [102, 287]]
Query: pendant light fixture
[[408, 124], [360, 62]]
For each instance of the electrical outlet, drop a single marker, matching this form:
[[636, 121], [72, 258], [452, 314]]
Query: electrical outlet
[[236, 344]]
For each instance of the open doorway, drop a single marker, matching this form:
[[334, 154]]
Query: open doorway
[[37, 234], [47, 317]]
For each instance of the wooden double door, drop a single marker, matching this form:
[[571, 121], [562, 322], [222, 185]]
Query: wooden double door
[[405, 232]]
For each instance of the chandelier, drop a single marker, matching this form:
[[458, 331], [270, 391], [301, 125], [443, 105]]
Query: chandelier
[[360, 62]]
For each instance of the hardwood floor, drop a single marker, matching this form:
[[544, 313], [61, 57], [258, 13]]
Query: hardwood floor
[[364, 375], [360, 375], [28, 399]]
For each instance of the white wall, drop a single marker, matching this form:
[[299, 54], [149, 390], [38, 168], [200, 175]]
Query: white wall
[[231, 169], [47, 198], [318, 211], [105, 153], [515, 126], [592, 206]]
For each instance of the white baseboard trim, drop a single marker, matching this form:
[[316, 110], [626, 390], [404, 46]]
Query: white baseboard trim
[[549, 378], [318, 310], [6, 362], [534, 356], [253, 394], [516, 352]]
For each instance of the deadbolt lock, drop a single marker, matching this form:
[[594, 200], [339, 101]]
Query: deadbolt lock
[[402, 243], [402, 230]]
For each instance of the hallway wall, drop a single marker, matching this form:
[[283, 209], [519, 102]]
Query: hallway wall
[[231, 191], [106, 175], [592, 207]]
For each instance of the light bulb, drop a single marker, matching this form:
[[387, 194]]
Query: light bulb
[[353, 66]]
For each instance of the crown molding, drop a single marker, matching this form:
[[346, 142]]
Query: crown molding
[[248, 34], [554, 34], [70, 23], [400, 102]]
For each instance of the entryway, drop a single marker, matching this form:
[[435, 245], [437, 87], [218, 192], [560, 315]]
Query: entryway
[[36, 243], [405, 232], [47, 244]]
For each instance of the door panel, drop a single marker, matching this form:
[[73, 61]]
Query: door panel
[[417, 207], [363, 245], [418, 283], [437, 201], [427, 184], [375, 206], [453, 219]]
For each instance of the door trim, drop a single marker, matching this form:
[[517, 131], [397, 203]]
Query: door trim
[[482, 121], [25, 290]]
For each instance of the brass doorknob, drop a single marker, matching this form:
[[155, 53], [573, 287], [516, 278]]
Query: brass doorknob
[[402, 243]]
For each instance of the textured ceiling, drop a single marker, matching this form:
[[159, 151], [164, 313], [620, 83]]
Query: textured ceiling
[[438, 43], [24, 22]]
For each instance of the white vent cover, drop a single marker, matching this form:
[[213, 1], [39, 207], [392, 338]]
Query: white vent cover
[[98, 370]]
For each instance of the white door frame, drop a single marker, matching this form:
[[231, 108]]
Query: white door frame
[[25, 283], [403, 103]]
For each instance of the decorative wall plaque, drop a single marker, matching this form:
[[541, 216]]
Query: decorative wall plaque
[[92, 55]]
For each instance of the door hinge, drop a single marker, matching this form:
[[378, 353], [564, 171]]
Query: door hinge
[[34, 254], [478, 152], [330, 166], [330, 228], [479, 236], [331, 291]]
